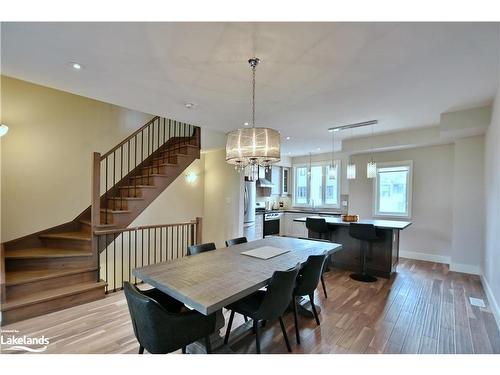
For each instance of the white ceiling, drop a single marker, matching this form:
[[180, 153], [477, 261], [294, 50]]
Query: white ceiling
[[312, 75]]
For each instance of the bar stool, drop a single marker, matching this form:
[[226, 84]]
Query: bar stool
[[366, 233], [319, 225]]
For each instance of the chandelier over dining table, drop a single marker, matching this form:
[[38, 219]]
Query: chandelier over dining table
[[253, 147]]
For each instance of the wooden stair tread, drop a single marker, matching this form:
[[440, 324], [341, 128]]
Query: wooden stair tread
[[29, 276], [126, 198], [51, 294], [151, 175], [107, 226], [110, 211], [137, 186], [45, 252], [81, 236]]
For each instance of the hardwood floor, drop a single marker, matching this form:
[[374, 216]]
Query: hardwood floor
[[424, 309]]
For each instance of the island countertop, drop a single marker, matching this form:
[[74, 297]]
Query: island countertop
[[385, 224]]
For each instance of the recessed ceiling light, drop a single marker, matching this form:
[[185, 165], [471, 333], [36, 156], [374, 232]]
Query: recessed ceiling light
[[246, 123], [76, 66], [287, 138], [189, 105]]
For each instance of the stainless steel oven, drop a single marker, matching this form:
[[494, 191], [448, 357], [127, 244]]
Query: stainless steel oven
[[272, 223]]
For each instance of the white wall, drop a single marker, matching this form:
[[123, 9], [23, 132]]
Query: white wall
[[491, 263], [430, 235], [468, 205]]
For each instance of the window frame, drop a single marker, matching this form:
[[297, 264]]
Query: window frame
[[409, 191], [324, 165]]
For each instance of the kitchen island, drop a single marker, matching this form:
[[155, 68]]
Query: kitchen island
[[384, 255]]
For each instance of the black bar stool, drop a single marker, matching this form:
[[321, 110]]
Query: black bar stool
[[366, 233], [319, 225]]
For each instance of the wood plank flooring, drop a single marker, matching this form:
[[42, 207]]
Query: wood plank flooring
[[424, 309]]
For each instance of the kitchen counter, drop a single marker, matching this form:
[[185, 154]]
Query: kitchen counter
[[386, 224], [383, 257], [298, 211]]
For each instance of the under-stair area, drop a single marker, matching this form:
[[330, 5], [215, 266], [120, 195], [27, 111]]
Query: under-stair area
[[59, 267]]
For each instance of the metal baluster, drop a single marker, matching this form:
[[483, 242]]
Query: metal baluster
[[158, 134], [106, 244], [98, 258], [142, 247], [135, 164], [154, 232], [149, 245], [182, 242], [114, 265], [161, 245], [114, 171], [129, 276], [172, 242], [177, 241], [123, 260], [135, 254], [106, 194]]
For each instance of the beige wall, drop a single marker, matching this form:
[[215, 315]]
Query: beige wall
[[46, 163], [223, 204], [430, 235], [46, 156], [180, 202], [491, 263]]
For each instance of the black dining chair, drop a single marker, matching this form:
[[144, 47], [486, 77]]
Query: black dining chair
[[197, 249], [367, 234], [236, 241], [159, 324], [319, 226], [267, 304], [307, 282]]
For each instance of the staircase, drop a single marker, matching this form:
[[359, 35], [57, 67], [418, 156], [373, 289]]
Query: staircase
[[59, 267]]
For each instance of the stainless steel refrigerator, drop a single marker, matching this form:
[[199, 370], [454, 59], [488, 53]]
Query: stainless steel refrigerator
[[249, 203]]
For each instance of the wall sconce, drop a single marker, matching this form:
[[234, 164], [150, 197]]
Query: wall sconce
[[191, 177], [3, 130]]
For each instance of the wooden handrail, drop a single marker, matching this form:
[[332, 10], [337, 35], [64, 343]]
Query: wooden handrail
[[129, 137], [122, 230]]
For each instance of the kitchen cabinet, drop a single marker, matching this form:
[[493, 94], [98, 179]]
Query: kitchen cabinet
[[294, 228], [285, 180], [255, 231], [275, 178]]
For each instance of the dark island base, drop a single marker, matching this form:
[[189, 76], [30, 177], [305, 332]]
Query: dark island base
[[381, 259]]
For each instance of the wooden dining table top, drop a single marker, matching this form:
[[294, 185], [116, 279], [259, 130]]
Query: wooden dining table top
[[211, 280]]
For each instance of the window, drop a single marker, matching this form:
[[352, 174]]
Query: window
[[392, 189], [314, 187]]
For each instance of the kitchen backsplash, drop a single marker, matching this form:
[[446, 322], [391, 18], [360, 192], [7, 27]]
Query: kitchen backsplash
[[275, 200]]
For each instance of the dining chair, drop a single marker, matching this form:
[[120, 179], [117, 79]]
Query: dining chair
[[307, 282], [325, 266], [236, 241], [267, 304], [159, 324], [201, 248]]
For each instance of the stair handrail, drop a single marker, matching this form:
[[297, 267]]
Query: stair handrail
[[130, 137], [158, 135]]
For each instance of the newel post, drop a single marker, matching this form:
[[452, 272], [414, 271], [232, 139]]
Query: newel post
[[199, 228], [95, 208]]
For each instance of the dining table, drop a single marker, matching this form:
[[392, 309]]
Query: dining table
[[209, 281]]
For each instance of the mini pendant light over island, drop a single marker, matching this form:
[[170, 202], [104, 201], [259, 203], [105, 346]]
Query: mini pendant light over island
[[255, 146]]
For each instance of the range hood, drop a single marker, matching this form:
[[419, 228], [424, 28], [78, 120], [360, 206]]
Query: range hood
[[264, 183]]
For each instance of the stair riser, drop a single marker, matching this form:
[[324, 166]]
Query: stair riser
[[61, 243], [37, 309], [128, 205], [182, 150], [164, 169], [152, 180], [132, 192], [176, 159], [119, 220], [22, 290], [56, 263]]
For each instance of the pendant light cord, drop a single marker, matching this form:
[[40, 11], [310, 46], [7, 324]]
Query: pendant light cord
[[253, 96]]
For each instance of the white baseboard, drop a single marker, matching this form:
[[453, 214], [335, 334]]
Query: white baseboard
[[465, 268], [491, 299], [424, 256]]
